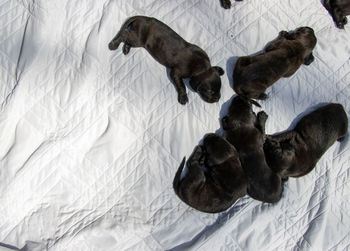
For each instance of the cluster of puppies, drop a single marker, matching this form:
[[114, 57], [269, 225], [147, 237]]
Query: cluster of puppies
[[246, 161], [250, 162]]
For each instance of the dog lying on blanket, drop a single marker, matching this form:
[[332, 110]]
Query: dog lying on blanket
[[282, 58], [338, 9], [217, 188], [246, 132], [185, 60], [226, 4], [295, 153]]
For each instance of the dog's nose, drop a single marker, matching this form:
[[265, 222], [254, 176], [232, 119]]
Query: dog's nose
[[213, 100]]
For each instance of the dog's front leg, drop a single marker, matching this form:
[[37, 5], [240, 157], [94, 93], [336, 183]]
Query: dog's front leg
[[261, 121], [180, 87]]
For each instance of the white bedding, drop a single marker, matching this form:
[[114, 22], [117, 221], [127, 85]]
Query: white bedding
[[90, 139]]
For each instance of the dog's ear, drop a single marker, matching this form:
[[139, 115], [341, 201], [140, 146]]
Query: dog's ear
[[228, 124], [309, 59], [194, 82], [219, 70], [283, 34]]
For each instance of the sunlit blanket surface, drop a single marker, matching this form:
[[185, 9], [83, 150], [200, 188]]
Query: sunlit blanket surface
[[90, 139]]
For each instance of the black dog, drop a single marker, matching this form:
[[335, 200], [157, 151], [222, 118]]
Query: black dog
[[295, 153], [216, 189], [185, 60], [282, 58], [246, 132], [338, 9], [226, 4]]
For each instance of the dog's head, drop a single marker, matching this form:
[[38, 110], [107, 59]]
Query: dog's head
[[306, 36], [208, 84], [240, 112]]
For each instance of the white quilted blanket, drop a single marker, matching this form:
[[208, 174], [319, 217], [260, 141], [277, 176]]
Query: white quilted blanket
[[90, 139]]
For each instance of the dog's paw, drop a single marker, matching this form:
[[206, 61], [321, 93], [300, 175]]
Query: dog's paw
[[112, 46], [182, 98], [309, 59], [263, 96], [262, 116], [126, 48], [197, 154], [226, 4], [341, 23], [198, 149]]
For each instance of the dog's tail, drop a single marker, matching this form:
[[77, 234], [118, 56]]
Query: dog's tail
[[113, 45], [176, 182], [252, 101]]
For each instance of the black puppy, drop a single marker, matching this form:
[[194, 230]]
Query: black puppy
[[295, 153], [338, 9], [216, 189], [282, 58], [226, 4], [185, 60], [246, 132]]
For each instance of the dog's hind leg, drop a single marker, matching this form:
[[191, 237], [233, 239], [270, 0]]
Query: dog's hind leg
[[283, 136]]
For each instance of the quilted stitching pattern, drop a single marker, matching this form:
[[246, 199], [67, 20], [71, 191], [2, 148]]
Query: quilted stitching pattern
[[91, 139]]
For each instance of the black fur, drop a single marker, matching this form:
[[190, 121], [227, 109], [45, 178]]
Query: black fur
[[295, 153], [185, 60], [282, 58], [246, 132], [216, 189], [338, 9]]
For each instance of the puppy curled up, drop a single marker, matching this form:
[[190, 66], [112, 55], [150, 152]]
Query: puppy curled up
[[246, 132], [223, 182], [282, 58], [185, 60], [295, 153]]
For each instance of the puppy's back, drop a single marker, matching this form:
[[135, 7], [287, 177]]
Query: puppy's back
[[326, 124]]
